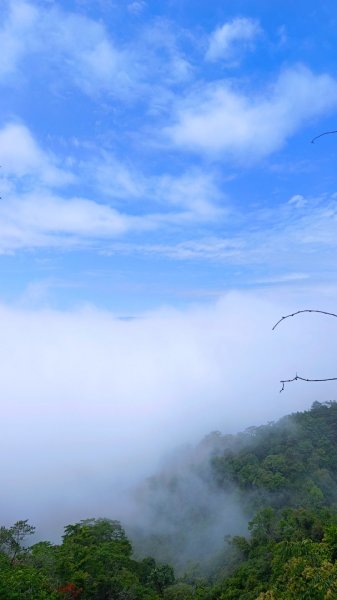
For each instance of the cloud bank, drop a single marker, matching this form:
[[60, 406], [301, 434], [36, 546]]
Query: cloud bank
[[91, 403], [218, 119]]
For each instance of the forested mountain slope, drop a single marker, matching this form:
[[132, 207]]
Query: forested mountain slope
[[216, 488], [287, 473], [291, 462], [280, 477]]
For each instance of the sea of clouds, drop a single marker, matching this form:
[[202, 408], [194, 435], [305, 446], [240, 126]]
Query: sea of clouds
[[92, 404]]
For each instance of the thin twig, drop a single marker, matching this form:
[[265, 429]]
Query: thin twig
[[321, 134], [307, 310], [297, 377]]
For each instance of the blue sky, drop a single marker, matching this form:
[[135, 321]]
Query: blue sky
[[159, 152]]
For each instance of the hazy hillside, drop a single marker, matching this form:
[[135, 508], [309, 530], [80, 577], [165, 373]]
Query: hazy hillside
[[247, 516]]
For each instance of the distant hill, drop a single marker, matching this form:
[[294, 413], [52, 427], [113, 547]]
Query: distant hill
[[277, 483], [289, 463], [251, 516]]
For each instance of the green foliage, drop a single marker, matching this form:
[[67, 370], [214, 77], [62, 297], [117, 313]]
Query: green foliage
[[179, 591], [286, 477], [22, 581], [96, 557], [161, 577], [94, 562], [11, 540], [287, 472], [289, 463]]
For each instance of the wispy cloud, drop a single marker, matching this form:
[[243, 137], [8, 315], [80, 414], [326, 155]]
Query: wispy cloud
[[40, 219], [80, 51], [137, 7], [75, 45], [219, 119], [228, 42], [211, 248], [194, 190], [21, 156], [16, 35], [92, 60], [119, 200], [129, 190], [293, 242], [160, 47]]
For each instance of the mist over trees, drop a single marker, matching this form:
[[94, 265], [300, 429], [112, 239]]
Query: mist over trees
[[284, 477]]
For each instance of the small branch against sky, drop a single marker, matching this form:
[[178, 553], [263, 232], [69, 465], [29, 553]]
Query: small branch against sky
[[306, 310], [297, 377], [321, 135]]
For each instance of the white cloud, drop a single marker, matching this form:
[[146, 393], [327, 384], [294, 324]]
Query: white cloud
[[228, 41], [299, 235], [80, 51], [298, 201], [46, 214], [136, 8], [16, 35], [195, 192], [220, 120], [95, 401], [116, 178], [163, 63], [31, 215], [40, 219], [20, 156], [231, 250], [282, 35], [87, 53], [78, 46], [285, 278]]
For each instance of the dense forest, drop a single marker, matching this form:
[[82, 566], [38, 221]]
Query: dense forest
[[283, 476]]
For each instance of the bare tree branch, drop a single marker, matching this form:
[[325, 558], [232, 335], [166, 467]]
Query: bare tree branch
[[298, 312], [307, 310], [321, 134], [297, 377]]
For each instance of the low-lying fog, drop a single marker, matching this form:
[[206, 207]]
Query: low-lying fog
[[92, 404]]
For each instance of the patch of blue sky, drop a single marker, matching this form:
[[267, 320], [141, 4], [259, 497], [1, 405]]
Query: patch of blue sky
[[160, 152]]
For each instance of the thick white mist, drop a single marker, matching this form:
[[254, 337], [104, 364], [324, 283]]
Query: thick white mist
[[91, 404]]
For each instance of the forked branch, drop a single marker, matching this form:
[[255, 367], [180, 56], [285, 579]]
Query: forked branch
[[298, 312]]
